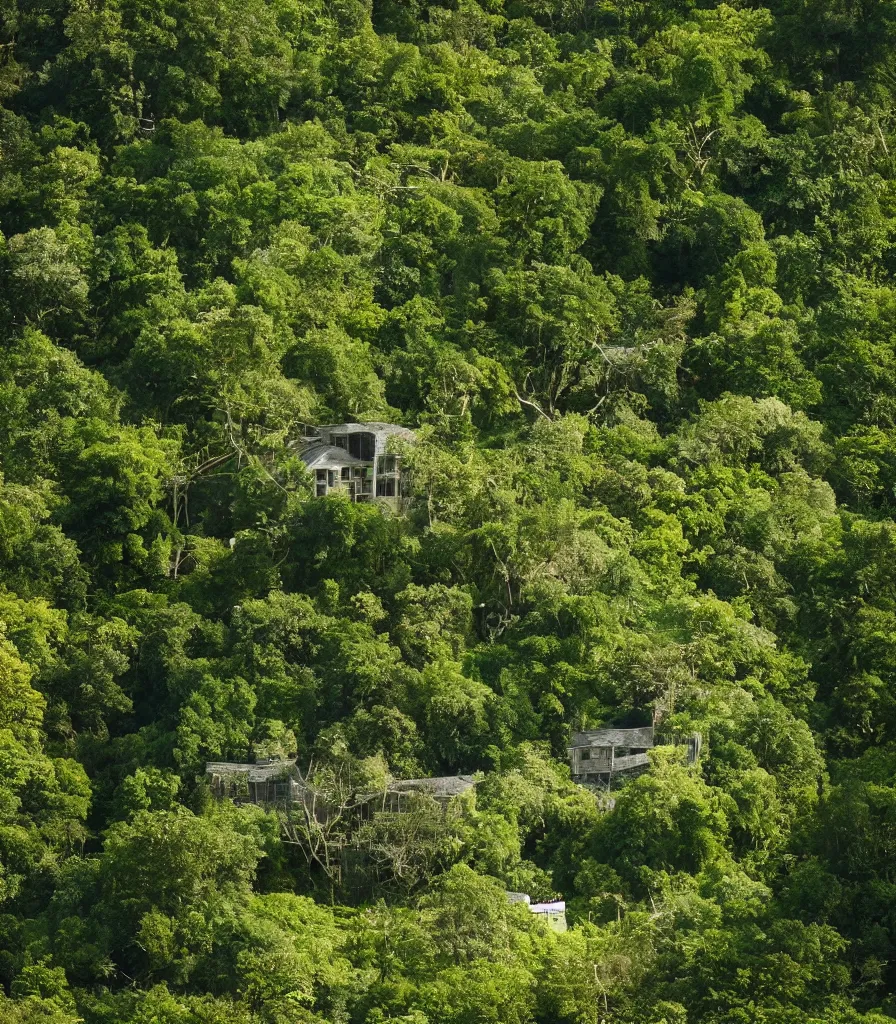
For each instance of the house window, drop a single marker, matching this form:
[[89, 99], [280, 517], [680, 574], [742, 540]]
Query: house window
[[346, 472], [386, 464], [361, 445], [339, 440], [584, 755], [331, 477], [385, 487]]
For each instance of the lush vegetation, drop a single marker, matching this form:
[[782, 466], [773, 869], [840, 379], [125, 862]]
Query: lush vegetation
[[627, 266]]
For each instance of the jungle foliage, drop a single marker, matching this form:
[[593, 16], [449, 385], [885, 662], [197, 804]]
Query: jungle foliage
[[627, 268]]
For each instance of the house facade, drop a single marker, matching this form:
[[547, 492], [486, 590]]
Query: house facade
[[596, 756], [355, 459]]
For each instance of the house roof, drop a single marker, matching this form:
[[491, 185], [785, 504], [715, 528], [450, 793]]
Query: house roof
[[316, 451], [317, 454], [371, 427], [638, 738], [442, 786], [555, 907], [261, 772]]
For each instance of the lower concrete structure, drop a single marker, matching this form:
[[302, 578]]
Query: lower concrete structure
[[280, 783]]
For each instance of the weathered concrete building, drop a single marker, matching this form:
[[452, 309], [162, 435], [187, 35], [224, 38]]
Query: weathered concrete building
[[355, 459], [401, 792], [596, 756], [280, 784], [267, 782]]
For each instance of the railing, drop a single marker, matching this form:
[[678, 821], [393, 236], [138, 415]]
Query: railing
[[629, 761]]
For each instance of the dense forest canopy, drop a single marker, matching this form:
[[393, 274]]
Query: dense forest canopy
[[627, 269]]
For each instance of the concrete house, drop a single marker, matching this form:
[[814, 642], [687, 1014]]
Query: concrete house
[[401, 792], [279, 783], [596, 756], [355, 459], [266, 782]]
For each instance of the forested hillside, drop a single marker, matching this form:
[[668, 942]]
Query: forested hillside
[[626, 268]]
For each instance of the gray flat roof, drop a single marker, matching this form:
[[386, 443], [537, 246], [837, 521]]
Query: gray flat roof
[[641, 737], [320, 455], [253, 772], [445, 785], [372, 427]]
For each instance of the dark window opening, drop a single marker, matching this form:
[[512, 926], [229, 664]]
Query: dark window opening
[[361, 446], [385, 488], [346, 472]]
